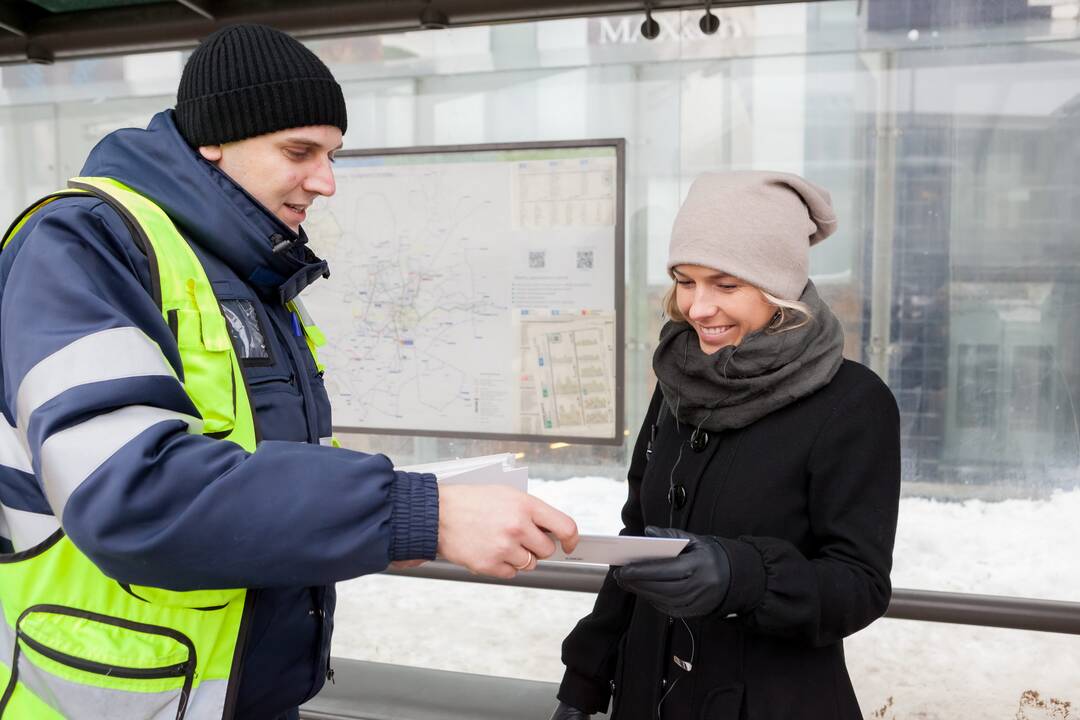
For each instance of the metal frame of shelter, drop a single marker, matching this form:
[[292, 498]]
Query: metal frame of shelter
[[42, 31]]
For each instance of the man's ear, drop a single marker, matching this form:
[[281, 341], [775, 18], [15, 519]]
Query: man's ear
[[210, 152]]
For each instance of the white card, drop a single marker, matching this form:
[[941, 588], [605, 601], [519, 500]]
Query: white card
[[619, 549]]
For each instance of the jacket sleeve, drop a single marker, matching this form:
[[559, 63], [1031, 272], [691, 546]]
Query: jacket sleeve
[[590, 651], [854, 490], [92, 384]]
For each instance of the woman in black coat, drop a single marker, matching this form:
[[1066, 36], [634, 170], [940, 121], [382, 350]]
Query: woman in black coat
[[777, 459]]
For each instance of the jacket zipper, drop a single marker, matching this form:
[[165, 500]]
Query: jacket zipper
[[289, 340], [232, 690], [318, 596], [92, 666], [290, 381]]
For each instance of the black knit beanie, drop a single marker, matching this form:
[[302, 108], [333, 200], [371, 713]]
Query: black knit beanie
[[248, 80]]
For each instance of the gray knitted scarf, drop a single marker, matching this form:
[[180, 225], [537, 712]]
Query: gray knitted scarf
[[742, 383]]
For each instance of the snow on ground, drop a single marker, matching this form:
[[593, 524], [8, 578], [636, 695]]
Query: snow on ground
[[902, 670]]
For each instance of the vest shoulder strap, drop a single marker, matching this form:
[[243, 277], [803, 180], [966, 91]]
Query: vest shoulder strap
[[213, 378]]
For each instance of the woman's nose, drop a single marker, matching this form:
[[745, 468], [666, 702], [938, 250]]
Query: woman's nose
[[702, 308]]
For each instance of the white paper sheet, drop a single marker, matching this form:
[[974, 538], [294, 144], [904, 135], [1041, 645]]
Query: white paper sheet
[[619, 549]]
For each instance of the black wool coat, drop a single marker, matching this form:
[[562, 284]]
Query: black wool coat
[[805, 500]]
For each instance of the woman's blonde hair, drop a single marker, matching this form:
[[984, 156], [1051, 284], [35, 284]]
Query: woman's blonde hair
[[790, 314]]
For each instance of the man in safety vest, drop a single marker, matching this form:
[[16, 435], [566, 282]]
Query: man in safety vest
[[173, 509]]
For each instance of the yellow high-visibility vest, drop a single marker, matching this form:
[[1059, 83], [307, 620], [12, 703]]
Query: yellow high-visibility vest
[[75, 643]]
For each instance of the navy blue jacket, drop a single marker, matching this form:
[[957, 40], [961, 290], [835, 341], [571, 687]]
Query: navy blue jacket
[[181, 511]]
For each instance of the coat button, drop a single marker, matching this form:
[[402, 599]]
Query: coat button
[[699, 439], [677, 496]]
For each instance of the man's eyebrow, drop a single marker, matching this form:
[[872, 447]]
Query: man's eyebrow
[[309, 143]]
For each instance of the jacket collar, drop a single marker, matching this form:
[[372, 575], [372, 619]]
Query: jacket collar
[[208, 206]]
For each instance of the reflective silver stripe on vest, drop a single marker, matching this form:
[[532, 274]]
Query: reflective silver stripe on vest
[[24, 529], [301, 309], [106, 355], [69, 456], [88, 702], [13, 449], [27, 529]]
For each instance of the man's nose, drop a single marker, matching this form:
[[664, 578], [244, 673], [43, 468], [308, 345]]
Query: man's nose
[[321, 180]]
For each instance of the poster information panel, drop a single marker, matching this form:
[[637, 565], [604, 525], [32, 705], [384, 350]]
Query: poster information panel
[[475, 291]]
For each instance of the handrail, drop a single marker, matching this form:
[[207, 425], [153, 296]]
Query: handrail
[[926, 605], [364, 690]]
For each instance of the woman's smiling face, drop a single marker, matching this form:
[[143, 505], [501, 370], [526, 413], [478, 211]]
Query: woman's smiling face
[[722, 309]]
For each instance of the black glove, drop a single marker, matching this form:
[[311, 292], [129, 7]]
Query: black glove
[[568, 712], [691, 584]]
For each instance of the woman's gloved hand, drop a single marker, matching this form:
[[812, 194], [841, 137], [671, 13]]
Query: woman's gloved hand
[[568, 712], [691, 584]]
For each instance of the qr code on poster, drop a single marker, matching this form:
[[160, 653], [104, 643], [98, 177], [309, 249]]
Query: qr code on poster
[[584, 259], [536, 259]]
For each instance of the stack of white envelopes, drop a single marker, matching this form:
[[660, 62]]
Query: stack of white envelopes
[[484, 470]]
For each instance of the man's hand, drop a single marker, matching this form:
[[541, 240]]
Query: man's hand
[[498, 531]]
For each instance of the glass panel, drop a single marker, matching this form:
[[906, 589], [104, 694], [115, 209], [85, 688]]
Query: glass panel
[[1032, 388], [901, 670], [947, 135], [975, 386], [482, 629]]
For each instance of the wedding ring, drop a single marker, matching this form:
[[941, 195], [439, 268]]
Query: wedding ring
[[527, 562]]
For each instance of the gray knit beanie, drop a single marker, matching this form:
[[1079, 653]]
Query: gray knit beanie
[[756, 226]]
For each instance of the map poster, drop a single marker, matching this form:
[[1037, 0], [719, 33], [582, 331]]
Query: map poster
[[474, 291]]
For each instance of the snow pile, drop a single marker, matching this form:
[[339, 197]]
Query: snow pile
[[902, 670], [1026, 548]]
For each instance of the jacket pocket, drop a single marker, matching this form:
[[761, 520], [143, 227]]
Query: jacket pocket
[[279, 407], [204, 600], [207, 354], [723, 703], [264, 384], [94, 663]]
